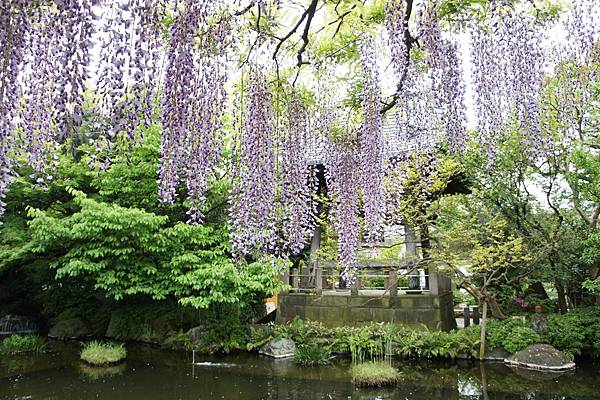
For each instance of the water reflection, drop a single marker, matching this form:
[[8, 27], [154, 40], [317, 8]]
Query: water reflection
[[153, 374]]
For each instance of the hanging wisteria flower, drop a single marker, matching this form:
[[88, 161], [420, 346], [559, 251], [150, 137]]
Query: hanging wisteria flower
[[507, 76], [14, 27], [342, 173], [296, 181], [192, 104], [252, 211], [371, 143], [75, 21], [445, 74]]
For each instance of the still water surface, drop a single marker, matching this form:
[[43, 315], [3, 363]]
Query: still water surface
[[152, 374]]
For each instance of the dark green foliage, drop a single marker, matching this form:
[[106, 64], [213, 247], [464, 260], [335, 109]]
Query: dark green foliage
[[577, 332], [375, 340], [178, 341], [149, 322], [511, 335], [16, 344], [312, 355]]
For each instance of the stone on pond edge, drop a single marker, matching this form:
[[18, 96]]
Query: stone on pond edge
[[540, 357], [278, 348]]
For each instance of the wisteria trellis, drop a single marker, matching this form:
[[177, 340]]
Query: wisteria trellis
[[177, 58]]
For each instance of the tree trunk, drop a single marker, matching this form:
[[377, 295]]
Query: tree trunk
[[562, 301], [483, 326], [496, 310]]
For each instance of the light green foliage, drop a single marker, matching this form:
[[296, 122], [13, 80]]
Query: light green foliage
[[16, 344], [413, 204], [312, 355], [593, 286], [127, 251], [374, 374], [99, 353]]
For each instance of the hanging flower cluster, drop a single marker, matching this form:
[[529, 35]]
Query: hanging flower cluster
[[445, 74], [252, 211], [192, 104], [397, 27], [128, 66], [343, 179], [507, 76], [297, 183], [14, 27], [371, 143]]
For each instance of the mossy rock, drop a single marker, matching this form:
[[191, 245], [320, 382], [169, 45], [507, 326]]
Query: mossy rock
[[542, 357], [73, 329]]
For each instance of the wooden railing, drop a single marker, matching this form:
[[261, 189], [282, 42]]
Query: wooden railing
[[390, 278]]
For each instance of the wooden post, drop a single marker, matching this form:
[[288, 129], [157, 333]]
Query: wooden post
[[467, 316], [319, 278], [475, 315], [393, 283]]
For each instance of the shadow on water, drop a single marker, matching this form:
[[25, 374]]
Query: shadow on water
[[150, 374]]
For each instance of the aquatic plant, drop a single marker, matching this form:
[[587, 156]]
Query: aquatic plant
[[312, 355], [102, 353], [374, 374], [16, 344]]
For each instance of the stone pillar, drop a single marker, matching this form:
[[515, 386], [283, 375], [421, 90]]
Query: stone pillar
[[319, 279], [285, 278], [393, 283]]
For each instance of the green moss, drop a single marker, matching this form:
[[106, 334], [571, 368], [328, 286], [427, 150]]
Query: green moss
[[374, 374], [98, 353], [16, 344]]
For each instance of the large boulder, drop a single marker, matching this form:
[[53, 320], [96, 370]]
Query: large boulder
[[279, 348], [542, 357], [73, 328]]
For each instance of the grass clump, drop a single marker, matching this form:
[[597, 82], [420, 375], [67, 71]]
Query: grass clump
[[374, 374], [312, 355], [98, 353], [16, 344]]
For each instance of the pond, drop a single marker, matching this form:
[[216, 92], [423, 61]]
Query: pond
[[151, 373]]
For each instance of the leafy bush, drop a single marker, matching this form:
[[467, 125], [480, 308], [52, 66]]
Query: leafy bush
[[99, 353], [512, 335], [428, 344], [177, 341], [373, 341], [311, 355], [577, 332], [16, 344], [374, 374]]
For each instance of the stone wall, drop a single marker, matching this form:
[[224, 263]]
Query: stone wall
[[338, 309]]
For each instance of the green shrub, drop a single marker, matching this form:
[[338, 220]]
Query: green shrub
[[98, 353], [374, 374], [312, 355], [16, 344], [177, 341], [512, 335], [577, 332]]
